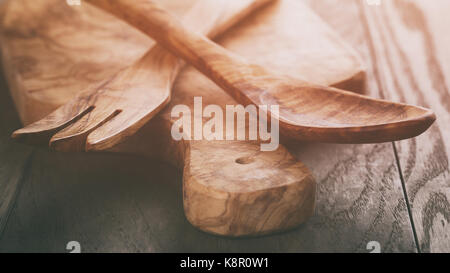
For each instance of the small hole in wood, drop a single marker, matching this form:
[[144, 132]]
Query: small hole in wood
[[244, 160]]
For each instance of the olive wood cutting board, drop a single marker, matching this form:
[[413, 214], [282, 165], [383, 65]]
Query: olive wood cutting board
[[52, 51]]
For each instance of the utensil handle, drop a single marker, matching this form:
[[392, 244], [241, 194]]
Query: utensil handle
[[215, 62], [207, 17], [231, 188], [213, 17]]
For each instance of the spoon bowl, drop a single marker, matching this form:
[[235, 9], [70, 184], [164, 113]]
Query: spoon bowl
[[309, 112]]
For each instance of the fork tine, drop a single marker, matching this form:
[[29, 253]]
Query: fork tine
[[41, 131], [73, 137], [119, 128]]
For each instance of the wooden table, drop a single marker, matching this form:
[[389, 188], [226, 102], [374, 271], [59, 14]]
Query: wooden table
[[394, 193]]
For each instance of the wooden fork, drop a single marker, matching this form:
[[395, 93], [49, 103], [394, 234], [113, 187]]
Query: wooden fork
[[308, 112], [109, 112]]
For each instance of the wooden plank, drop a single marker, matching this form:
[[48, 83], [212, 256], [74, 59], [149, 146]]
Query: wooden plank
[[410, 52], [90, 199], [107, 207], [13, 157]]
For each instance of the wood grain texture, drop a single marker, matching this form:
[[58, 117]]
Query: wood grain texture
[[297, 182], [109, 207], [409, 50], [60, 71], [359, 193], [307, 112], [364, 177], [403, 44], [254, 209], [109, 111], [359, 198]]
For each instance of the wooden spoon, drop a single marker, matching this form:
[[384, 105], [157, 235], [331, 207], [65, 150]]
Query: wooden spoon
[[308, 112], [109, 112]]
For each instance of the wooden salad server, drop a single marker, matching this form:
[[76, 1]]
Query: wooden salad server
[[52, 51], [307, 112], [107, 112]]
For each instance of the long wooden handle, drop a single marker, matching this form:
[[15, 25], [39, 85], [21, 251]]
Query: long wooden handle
[[214, 21], [213, 17], [209, 58]]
